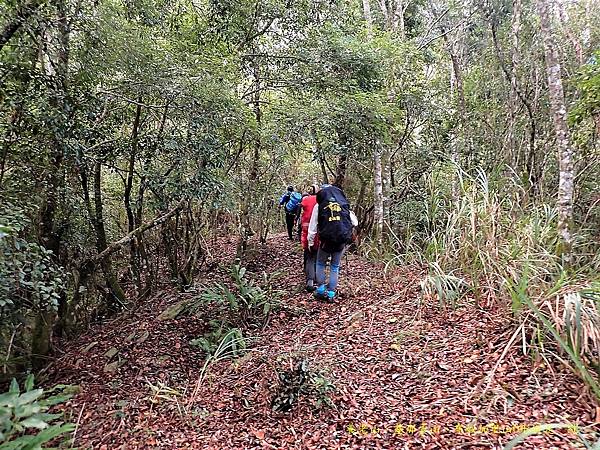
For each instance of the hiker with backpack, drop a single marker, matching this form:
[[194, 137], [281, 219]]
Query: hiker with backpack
[[310, 254], [291, 203], [333, 221]]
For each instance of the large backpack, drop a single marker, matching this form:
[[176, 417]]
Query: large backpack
[[292, 205], [335, 225]]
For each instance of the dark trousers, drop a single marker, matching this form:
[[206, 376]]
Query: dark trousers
[[310, 261], [290, 219]]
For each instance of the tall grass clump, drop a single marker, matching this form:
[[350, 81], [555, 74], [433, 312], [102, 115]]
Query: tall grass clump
[[486, 236]]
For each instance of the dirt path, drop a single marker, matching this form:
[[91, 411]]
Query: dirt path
[[407, 374]]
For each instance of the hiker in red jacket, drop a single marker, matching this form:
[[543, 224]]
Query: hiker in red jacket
[[310, 254]]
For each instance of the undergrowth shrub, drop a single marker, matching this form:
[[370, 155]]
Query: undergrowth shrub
[[25, 423], [221, 335], [246, 302], [298, 381], [490, 238]]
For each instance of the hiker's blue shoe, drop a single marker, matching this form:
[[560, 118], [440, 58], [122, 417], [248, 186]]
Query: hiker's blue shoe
[[331, 295], [320, 293]]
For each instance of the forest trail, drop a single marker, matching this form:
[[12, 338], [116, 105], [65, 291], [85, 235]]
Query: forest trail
[[395, 360]]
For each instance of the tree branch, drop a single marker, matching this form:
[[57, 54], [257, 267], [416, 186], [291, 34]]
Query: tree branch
[[115, 246], [24, 12]]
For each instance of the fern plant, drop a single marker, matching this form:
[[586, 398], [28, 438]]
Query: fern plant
[[27, 410], [221, 336], [247, 301]]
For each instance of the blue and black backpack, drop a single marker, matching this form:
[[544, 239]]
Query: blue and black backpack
[[292, 204], [335, 226]]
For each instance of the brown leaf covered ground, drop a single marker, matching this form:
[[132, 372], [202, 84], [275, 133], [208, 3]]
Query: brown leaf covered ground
[[407, 373]]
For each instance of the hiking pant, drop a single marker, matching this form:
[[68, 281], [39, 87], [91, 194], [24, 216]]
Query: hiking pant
[[290, 219], [323, 257], [310, 261]]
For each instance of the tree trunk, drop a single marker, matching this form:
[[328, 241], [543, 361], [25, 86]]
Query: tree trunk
[[117, 297], [515, 57], [378, 195], [368, 16], [56, 54], [131, 223], [246, 228], [457, 91], [565, 150], [340, 171]]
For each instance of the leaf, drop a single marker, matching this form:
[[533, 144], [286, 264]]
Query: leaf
[[173, 311], [34, 422], [29, 382], [443, 366], [48, 434], [259, 434], [90, 346], [112, 367], [8, 399], [111, 352], [29, 397], [143, 337], [14, 387], [27, 409]]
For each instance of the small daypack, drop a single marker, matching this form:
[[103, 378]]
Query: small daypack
[[292, 205], [335, 225]]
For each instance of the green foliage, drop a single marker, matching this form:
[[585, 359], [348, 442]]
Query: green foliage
[[247, 301], [588, 84], [322, 388], [29, 277], [520, 290], [221, 336], [300, 381], [23, 411]]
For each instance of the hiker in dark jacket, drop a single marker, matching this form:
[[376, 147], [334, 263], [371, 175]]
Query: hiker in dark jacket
[[291, 203], [332, 219]]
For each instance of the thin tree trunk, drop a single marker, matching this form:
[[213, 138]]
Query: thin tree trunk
[[377, 172], [101, 243], [530, 162], [246, 228], [559, 115], [319, 154], [57, 55], [368, 16], [564, 19], [378, 195], [515, 57], [340, 171], [116, 246], [133, 259], [398, 19], [457, 90]]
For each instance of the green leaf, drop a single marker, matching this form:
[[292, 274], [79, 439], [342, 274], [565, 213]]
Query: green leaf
[[55, 400], [48, 434], [14, 386], [29, 382], [27, 409], [29, 397], [8, 399], [34, 422]]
